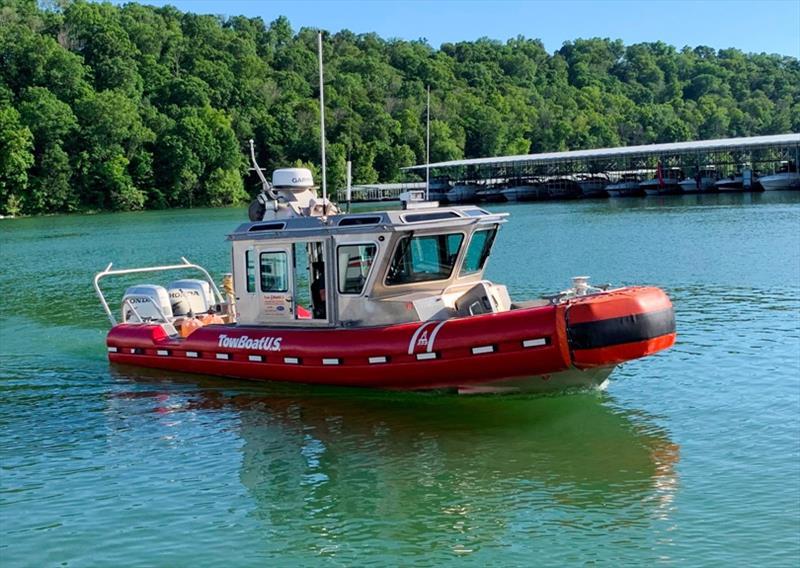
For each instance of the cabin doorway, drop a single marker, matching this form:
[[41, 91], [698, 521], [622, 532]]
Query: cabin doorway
[[311, 290]]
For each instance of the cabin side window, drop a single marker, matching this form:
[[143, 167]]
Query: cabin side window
[[478, 251], [274, 272], [354, 263], [250, 270], [424, 258]]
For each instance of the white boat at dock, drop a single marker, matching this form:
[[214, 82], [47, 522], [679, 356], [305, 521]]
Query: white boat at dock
[[741, 180], [524, 192], [784, 180], [703, 181], [626, 186], [667, 184], [491, 194], [594, 185], [787, 177], [463, 193], [562, 188]]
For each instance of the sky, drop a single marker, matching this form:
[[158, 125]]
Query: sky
[[771, 26]]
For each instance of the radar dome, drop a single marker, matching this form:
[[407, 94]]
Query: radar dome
[[292, 178]]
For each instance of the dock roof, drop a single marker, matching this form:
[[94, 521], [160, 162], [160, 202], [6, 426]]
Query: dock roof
[[719, 145]]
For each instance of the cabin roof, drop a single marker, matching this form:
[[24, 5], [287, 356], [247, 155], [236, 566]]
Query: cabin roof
[[367, 222]]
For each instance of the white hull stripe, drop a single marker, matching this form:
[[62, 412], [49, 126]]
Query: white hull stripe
[[378, 360], [193, 354], [332, 361], [291, 360], [112, 349], [223, 356], [413, 342], [162, 352], [433, 335], [425, 356], [534, 342], [255, 358], [483, 349]]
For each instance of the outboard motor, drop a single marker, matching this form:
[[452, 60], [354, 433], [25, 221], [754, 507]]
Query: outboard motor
[[190, 295], [145, 300]]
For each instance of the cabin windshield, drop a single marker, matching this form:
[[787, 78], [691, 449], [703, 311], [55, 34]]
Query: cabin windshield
[[424, 258]]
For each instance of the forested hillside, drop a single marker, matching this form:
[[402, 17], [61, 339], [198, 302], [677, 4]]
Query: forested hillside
[[108, 107]]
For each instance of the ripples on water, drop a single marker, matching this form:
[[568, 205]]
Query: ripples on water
[[692, 457]]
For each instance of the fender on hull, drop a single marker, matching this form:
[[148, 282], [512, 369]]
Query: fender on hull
[[625, 324]]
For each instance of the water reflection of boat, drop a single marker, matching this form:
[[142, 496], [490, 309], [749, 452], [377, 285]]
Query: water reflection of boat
[[311, 460]]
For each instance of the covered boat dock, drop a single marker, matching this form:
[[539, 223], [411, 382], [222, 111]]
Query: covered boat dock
[[764, 154]]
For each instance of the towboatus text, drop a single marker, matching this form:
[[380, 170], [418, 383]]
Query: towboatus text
[[245, 342]]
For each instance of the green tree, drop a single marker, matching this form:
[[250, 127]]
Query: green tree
[[53, 125], [16, 157], [109, 106]]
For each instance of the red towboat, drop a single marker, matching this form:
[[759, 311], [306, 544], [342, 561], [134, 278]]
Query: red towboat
[[395, 300]]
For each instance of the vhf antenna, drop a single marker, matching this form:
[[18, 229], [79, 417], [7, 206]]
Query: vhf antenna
[[322, 126]]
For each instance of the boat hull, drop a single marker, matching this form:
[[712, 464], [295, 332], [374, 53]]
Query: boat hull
[[522, 193], [668, 186], [540, 348], [705, 184], [625, 189], [781, 181]]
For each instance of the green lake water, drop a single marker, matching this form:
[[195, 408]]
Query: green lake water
[[690, 458]]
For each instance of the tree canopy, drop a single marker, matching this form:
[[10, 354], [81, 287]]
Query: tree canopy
[[128, 107]]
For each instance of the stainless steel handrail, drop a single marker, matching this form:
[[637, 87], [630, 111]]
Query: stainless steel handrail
[[186, 265]]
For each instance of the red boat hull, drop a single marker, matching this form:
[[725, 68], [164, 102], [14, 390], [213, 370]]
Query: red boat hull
[[528, 346]]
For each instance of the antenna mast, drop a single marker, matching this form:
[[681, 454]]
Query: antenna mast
[[322, 123], [428, 149], [349, 183]]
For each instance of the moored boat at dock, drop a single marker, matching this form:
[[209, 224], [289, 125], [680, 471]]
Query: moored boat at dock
[[703, 181], [491, 194], [593, 185], [665, 182], [628, 185], [562, 188], [523, 192], [463, 193], [787, 177], [744, 179]]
